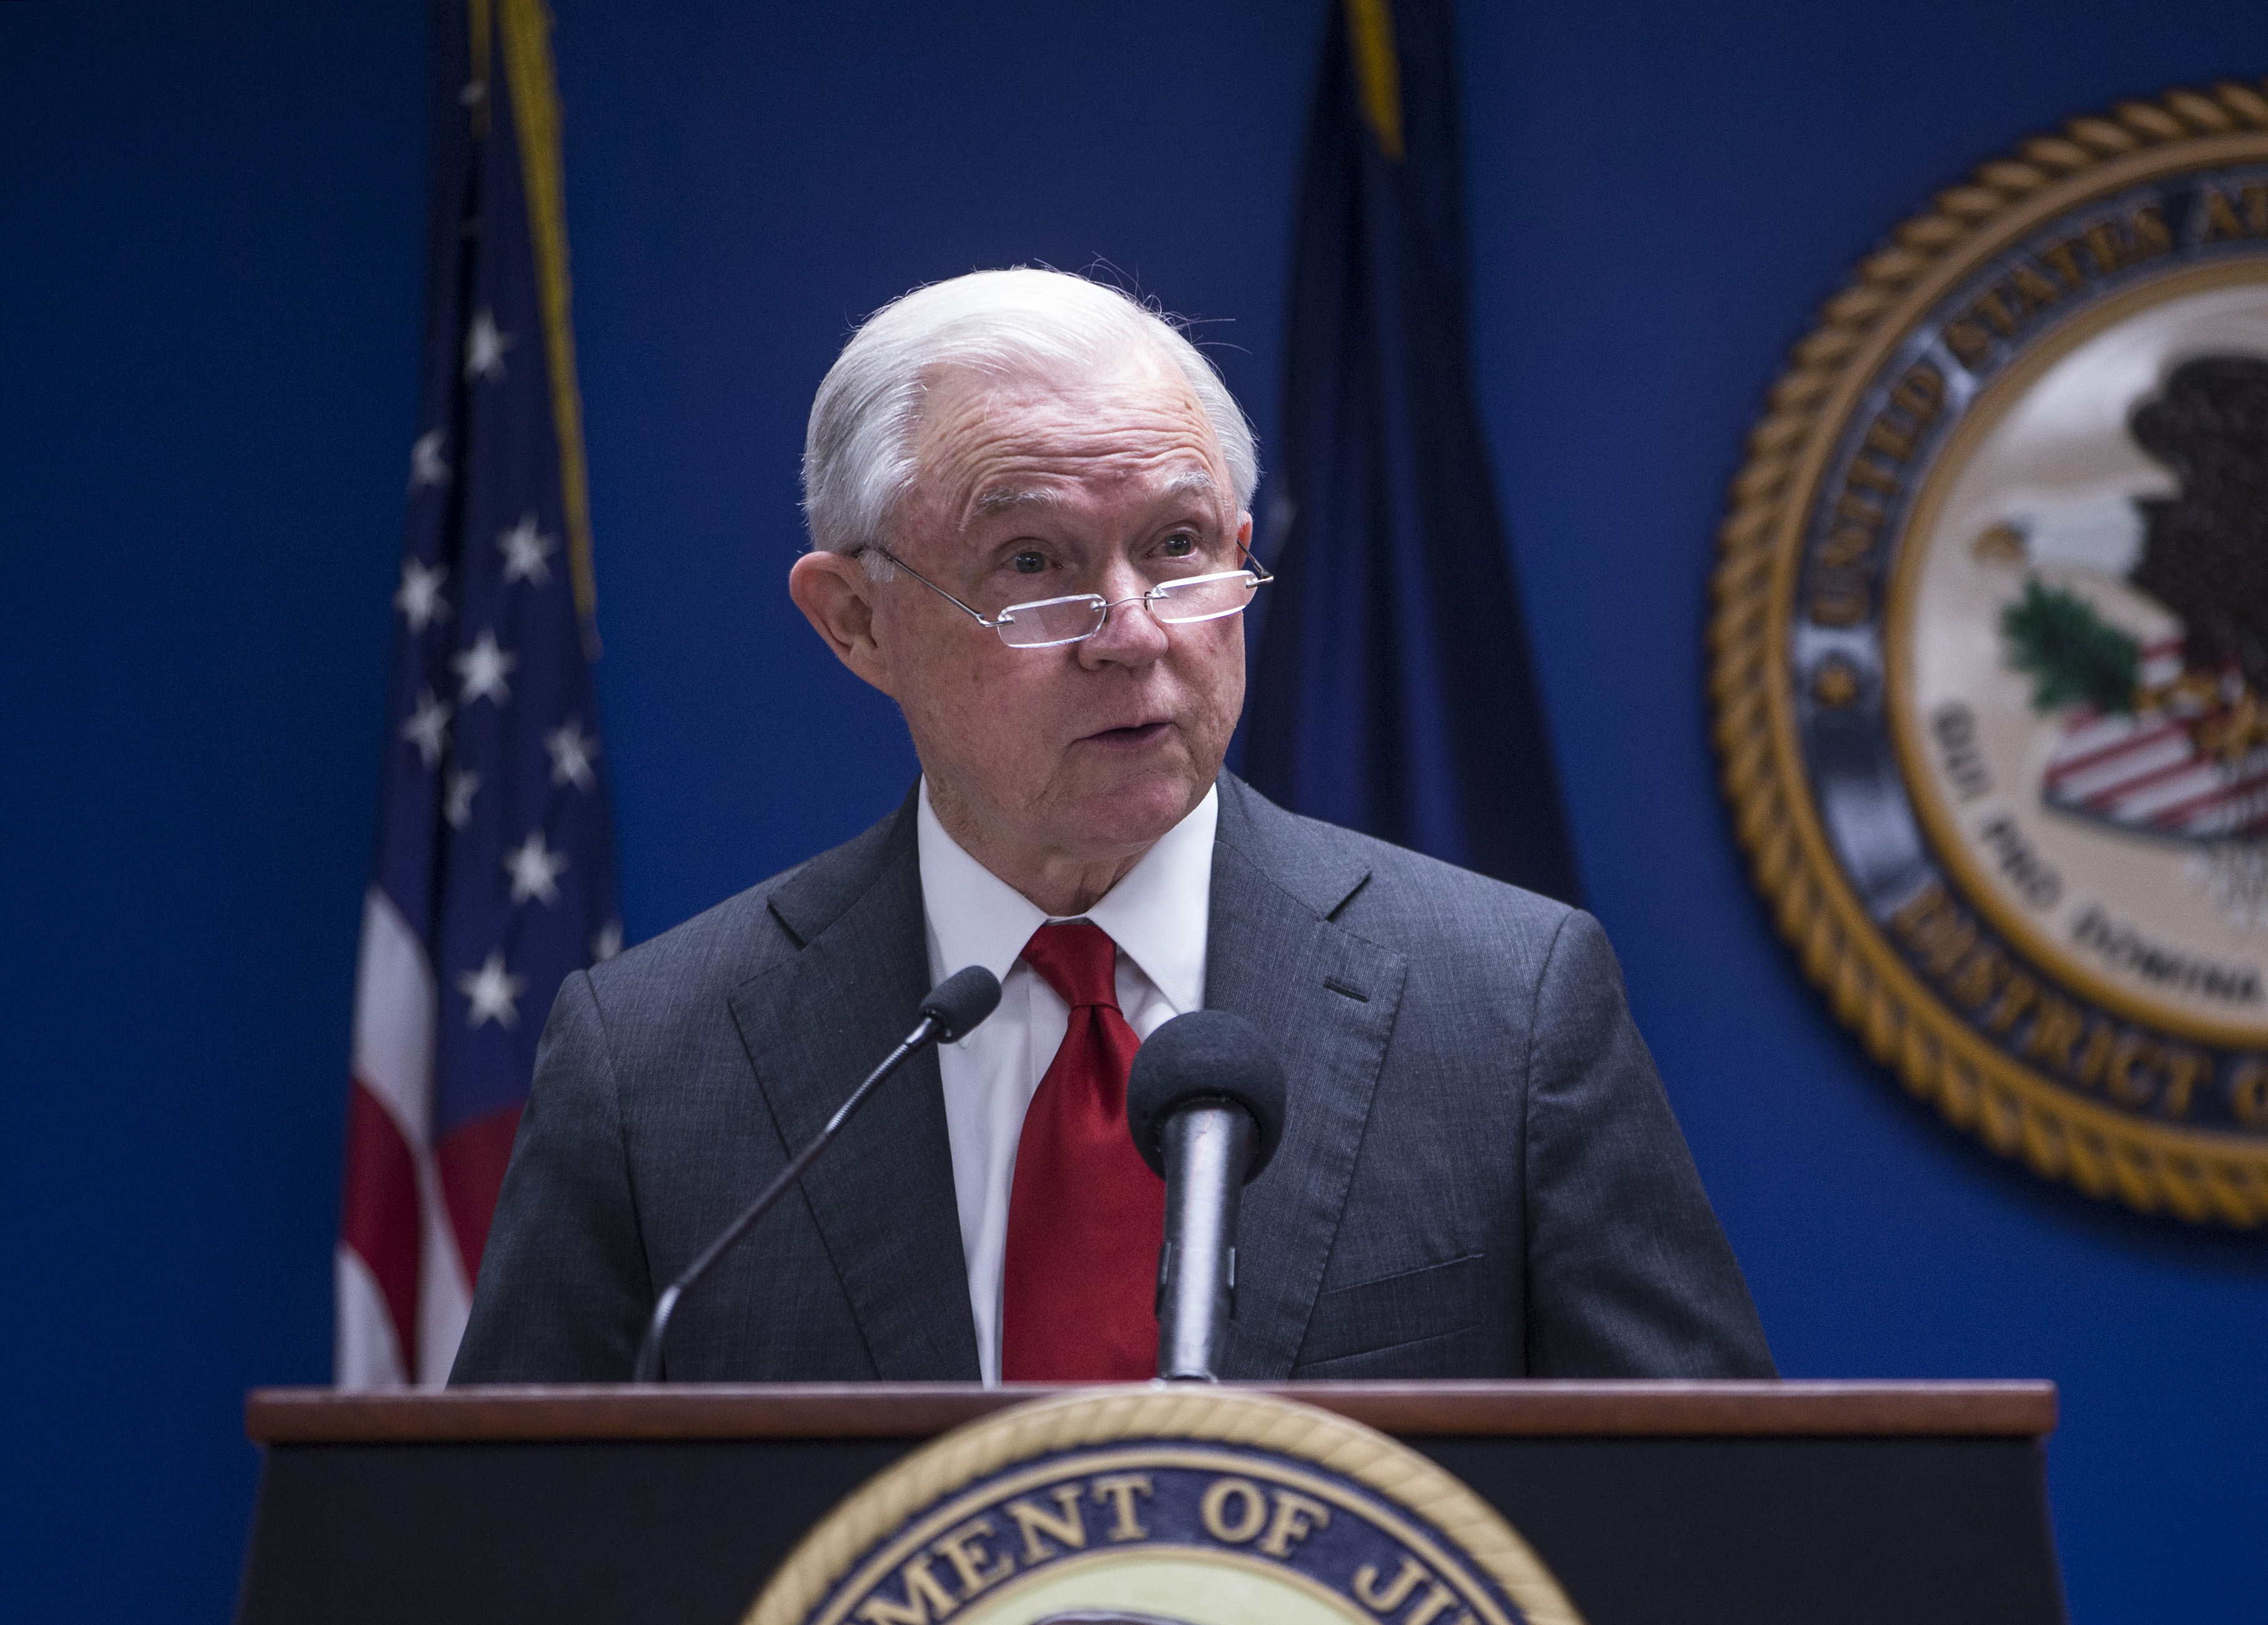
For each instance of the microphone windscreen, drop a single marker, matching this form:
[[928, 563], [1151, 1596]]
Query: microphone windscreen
[[962, 1000], [1207, 1054]]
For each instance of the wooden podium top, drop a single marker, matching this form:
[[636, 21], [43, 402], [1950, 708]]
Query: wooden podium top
[[906, 1410]]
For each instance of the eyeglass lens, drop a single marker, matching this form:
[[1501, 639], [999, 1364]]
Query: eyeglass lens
[[1175, 603]]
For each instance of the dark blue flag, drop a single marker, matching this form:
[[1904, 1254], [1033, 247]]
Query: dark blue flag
[[1393, 690], [495, 872]]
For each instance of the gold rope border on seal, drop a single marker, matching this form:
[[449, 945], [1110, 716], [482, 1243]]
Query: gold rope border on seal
[[1160, 1415], [2198, 1176]]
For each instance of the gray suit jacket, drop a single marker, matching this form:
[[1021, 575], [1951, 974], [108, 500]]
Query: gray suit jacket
[[1480, 1175]]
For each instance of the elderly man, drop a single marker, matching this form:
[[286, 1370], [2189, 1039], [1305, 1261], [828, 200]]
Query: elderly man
[[1029, 500]]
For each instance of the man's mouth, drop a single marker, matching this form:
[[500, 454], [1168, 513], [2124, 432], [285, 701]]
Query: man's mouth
[[1128, 738]]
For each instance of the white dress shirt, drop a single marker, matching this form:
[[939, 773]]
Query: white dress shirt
[[1157, 915]]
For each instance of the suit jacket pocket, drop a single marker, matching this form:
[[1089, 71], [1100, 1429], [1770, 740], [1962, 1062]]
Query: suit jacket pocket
[[1415, 1306]]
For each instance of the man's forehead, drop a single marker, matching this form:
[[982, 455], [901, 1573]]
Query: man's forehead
[[991, 445]]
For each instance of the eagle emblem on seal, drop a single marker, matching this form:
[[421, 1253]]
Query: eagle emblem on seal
[[2161, 692]]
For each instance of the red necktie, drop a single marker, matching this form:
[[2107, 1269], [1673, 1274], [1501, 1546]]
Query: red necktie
[[1086, 1216]]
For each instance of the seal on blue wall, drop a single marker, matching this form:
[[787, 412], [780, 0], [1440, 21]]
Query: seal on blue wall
[[1183, 1506], [1991, 654]]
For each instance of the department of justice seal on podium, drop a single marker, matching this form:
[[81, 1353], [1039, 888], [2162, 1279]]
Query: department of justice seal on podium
[[1990, 654], [1184, 1505]]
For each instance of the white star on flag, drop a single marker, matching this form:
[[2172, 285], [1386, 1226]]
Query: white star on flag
[[571, 750], [492, 990], [482, 669], [462, 784], [484, 347], [524, 551], [420, 596], [428, 728], [426, 465], [607, 943], [535, 872]]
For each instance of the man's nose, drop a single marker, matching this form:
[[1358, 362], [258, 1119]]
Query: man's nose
[[1130, 633]]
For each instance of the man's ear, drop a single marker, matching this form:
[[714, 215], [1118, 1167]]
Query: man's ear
[[837, 598]]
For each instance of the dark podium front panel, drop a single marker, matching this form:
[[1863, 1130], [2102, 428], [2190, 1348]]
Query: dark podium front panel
[[1650, 1501]]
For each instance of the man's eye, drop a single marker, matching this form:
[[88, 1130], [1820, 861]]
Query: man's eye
[[1029, 563], [1181, 545]]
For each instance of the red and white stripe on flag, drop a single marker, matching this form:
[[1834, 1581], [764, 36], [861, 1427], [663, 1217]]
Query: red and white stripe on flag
[[404, 1287]]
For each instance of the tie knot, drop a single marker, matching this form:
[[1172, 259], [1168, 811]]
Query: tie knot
[[1077, 960]]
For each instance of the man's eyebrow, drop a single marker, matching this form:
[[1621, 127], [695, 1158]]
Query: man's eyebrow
[[1001, 498]]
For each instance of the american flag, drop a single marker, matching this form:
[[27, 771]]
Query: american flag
[[495, 873]]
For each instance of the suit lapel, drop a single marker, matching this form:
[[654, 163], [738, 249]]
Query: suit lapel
[[1328, 1000], [882, 1196]]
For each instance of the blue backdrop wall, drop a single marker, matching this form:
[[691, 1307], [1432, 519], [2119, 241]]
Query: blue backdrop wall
[[208, 285]]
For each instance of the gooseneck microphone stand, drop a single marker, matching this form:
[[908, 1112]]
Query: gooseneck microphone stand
[[960, 1001]]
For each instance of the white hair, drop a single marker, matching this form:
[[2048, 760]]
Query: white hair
[[859, 449]]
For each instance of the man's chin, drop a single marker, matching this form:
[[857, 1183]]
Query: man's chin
[[1132, 809]]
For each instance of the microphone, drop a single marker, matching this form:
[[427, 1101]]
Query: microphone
[[1205, 1101], [951, 1011]]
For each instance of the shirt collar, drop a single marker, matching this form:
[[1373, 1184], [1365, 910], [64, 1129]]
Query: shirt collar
[[1158, 914]]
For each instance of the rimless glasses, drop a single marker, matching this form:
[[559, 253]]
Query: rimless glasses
[[1049, 622]]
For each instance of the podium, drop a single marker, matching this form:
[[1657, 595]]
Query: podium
[[1700, 1502]]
